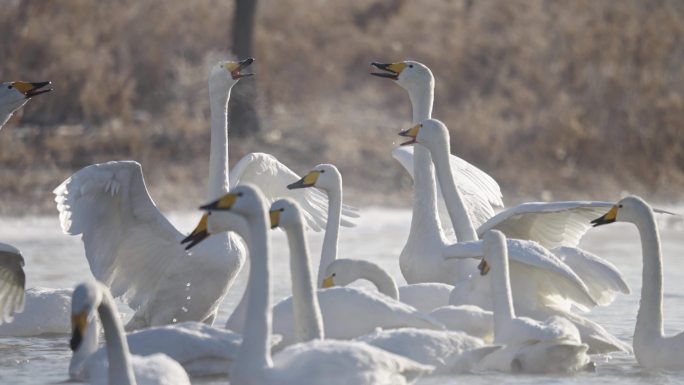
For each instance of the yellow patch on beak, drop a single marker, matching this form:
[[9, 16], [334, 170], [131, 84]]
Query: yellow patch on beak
[[202, 225], [23, 87], [227, 201], [328, 282], [311, 178], [612, 214], [230, 65], [275, 218], [397, 67], [79, 321]]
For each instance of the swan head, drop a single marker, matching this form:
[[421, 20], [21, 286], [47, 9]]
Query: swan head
[[285, 213], [409, 74], [341, 272], [431, 133], [13, 95], [85, 299], [629, 209], [324, 176], [227, 73], [228, 213]]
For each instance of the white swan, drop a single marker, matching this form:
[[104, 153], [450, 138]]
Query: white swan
[[13, 96], [543, 285], [135, 250], [314, 362], [12, 282], [531, 346], [423, 296], [122, 368], [202, 350], [653, 350], [421, 260]]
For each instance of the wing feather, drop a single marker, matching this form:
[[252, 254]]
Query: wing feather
[[12, 282], [480, 191], [552, 224], [272, 177], [128, 242]]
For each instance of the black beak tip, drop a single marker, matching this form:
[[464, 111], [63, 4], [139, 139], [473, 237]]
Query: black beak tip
[[76, 339]]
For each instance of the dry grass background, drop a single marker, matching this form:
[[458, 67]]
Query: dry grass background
[[555, 99]]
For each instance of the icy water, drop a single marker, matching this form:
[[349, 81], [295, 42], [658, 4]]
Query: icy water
[[56, 260]]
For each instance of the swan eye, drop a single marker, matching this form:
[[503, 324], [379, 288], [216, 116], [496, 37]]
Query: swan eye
[[410, 65], [282, 209], [322, 171], [9, 87], [619, 206], [239, 194], [334, 274]]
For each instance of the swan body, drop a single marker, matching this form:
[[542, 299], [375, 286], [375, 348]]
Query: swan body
[[447, 351], [120, 368], [531, 346], [423, 296], [312, 362], [421, 260], [14, 95], [201, 349], [32, 321], [470, 319], [652, 349], [539, 279], [12, 282]]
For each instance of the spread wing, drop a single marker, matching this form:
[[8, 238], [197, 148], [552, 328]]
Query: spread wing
[[480, 191], [272, 177], [530, 262], [12, 281], [128, 242], [552, 224]]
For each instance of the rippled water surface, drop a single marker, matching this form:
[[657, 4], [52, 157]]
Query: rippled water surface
[[56, 260]]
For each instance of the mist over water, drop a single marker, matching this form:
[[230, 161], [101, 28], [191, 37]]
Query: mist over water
[[56, 260]]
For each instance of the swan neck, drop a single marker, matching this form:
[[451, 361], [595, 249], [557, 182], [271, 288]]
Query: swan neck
[[218, 152], [4, 117], [454, 200], [332, 231], [120, 370], [308, 319], [255, 350], [650, 314], [501, 290], [380, 278], [422, 97]]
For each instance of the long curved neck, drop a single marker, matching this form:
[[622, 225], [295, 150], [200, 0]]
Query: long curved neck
[[255, 353], [332, 231], [501, 289], [454, 200], [379, 277], [218, 153], [650, 316], [308, 319], [120, 369], [425, 225]]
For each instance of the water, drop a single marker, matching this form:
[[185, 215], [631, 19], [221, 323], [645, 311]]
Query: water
[[56, 260]]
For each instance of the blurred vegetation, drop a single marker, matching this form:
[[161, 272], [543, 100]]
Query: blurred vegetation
[[555, 99]]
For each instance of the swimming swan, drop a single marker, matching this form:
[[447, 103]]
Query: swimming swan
[[122, 367], [313, 362], [653, 350], [531, 346]]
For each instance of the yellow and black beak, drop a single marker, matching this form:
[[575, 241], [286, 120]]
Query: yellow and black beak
[[309, 180], [235, 68], [609, 217], [199, 234], [31, 89], [483, 267], [275, 217], [328, 282], [79, 322], [411, 133], [390, 71]]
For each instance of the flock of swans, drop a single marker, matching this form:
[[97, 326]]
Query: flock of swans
[[484, 292]]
